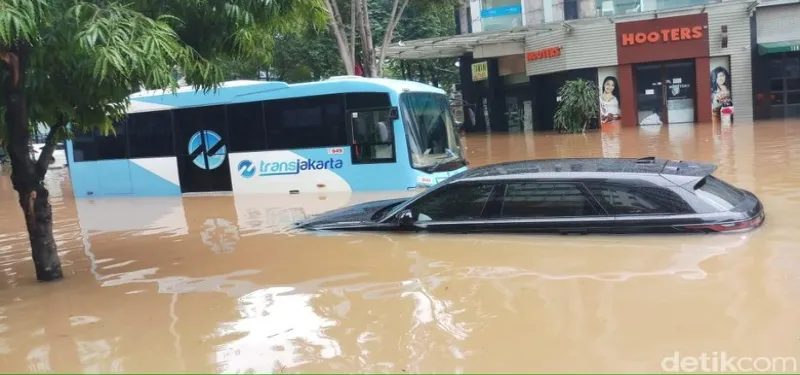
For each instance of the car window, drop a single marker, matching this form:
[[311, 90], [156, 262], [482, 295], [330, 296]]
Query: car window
[[619, 199], [456, 202], [545, 200], [719, 194]]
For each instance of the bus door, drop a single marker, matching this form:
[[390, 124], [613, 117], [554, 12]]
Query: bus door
[[202, 151], [372, 135]]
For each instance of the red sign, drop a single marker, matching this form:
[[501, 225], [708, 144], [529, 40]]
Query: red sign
[[662, 39], [335, 151], [546, 53], [666, 35]]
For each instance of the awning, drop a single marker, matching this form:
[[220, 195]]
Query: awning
[[456, 45], [778, 47]]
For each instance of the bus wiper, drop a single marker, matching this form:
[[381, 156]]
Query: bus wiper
[[439, 162]]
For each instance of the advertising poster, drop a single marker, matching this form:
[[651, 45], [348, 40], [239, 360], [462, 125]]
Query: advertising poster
[[608, 84], [721, 86]]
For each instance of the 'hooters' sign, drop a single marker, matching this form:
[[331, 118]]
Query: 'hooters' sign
[[545, 53]]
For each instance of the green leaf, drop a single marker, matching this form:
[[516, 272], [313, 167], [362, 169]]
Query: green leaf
[[579, 105]]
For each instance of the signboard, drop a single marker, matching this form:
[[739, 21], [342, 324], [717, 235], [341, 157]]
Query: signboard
[[480, 71], [546, 53], [661, 39], [674, 34], [308, 170], [507, 10]]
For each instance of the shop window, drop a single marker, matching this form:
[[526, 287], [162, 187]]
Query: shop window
[[793, 97], [310, 122], [571, 11], [246, 127], [373, 137], [792, 84], [776, 84], [150, 134]]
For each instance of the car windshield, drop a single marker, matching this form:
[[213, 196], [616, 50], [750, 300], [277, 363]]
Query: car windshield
[[432, 137]]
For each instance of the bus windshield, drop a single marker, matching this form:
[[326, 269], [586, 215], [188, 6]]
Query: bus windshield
[[432, 139]]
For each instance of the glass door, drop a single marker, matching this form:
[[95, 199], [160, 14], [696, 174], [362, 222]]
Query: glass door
[[785, 86], [666, 93], [680, 89], [650, 94]]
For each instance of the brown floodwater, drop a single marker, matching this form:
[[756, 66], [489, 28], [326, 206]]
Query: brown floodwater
[[218, 284]]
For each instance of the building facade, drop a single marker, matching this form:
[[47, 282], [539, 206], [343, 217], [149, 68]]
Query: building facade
[[493, 15], [776, 60], [654, 62]]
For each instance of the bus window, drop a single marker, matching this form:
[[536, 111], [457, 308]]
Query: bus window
[[92, 146], [246, 127], [373, 137], [310, 122], [150, 135]]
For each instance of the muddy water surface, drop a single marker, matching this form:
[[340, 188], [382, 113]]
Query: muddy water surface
[[217, 284]]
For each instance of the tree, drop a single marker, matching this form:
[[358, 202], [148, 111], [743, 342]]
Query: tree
[[435, 20], [308, 55], [578, 107], [72, 64], [368, 18]]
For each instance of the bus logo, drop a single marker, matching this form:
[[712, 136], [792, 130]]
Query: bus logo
[[335, 151], [278, 168], [246, 168], [207, 150]]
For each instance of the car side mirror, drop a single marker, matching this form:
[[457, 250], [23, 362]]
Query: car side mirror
[[405, 218]]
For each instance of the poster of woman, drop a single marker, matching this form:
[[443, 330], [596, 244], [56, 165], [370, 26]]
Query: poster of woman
[[721, 101], [609, 100]]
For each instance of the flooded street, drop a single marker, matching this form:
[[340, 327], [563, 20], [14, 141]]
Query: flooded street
[[218, 284]]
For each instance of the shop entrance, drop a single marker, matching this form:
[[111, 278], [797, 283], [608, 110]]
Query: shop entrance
[[666, 92], [784, 70]]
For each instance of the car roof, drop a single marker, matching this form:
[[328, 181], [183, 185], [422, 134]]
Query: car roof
[[608, 168]]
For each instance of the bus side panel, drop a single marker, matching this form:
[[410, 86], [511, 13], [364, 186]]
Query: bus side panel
[[313, 170], [123, 177]]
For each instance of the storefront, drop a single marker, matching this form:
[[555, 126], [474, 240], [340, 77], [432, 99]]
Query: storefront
[[664, 63], [673, 68], [662, 67], [776, 62]]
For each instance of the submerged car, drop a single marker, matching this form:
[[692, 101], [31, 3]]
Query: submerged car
[[567, 196]]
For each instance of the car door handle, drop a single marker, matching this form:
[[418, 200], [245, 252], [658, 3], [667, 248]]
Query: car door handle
[[574, 231]]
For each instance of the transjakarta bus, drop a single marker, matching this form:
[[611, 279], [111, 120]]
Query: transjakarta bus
[[343, 134]]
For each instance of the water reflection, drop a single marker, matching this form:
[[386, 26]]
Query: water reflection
[[219, 284]]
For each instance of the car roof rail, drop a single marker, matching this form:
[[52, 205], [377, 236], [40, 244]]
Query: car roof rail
[[646, 160], [688, 168]]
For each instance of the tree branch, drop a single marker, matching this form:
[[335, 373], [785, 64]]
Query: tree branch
[[394, 19], [49, 146], [353, 6]]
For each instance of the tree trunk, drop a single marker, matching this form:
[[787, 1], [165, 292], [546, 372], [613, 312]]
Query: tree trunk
[[394, 19], [367, 46], [26, 179], [336, 28]]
